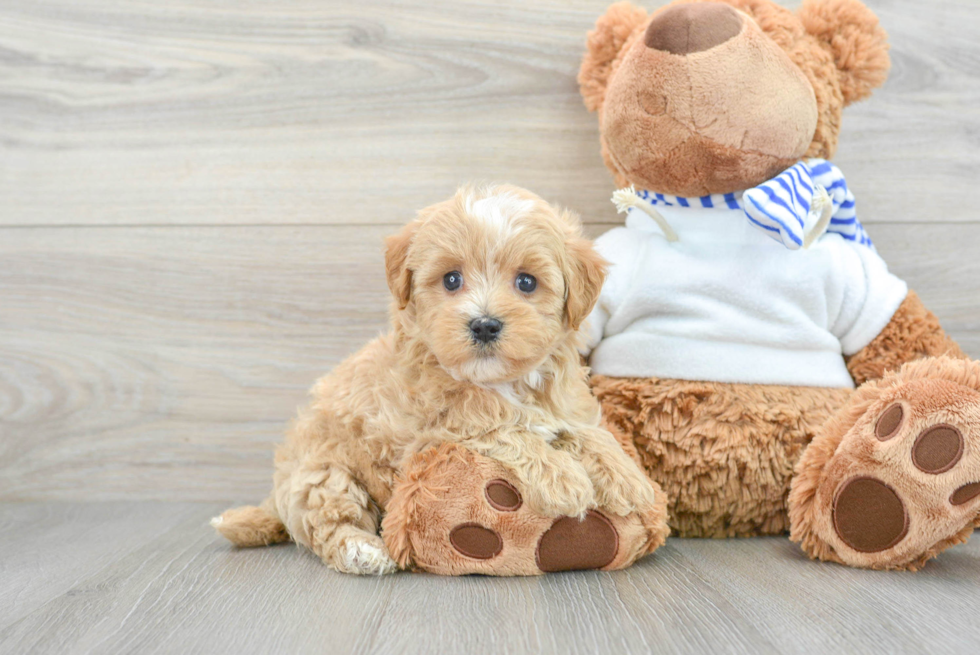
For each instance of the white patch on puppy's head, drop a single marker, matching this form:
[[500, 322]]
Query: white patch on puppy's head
[[499, 210]]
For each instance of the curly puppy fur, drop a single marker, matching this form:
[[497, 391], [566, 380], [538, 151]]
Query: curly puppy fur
[[521, 399]]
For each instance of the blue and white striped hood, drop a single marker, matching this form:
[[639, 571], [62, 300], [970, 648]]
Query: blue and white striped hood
[[794, 208]]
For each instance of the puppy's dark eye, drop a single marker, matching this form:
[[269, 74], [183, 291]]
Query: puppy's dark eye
[[526, 283], [452, 280]]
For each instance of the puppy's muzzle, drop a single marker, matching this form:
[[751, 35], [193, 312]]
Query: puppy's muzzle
[[485, 329]]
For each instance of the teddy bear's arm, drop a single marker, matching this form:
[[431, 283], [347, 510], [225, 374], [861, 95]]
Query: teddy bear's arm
[[913, 333]]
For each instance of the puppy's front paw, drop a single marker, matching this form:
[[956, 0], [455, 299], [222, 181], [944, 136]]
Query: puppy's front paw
[[623, 495], [561, 490], [621, 487]]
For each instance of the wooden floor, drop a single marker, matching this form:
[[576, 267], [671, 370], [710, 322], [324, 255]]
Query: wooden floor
[[118, 577], [193, 198]]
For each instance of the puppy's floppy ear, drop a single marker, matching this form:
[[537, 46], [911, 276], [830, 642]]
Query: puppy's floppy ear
[[603, 47], [396, 263], [859, 45], [585, 271]]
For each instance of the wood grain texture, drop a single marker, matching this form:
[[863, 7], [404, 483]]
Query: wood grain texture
[[270, 112], [164, 362], [184, 589], [46, 550]]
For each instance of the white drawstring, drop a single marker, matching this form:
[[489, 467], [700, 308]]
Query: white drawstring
[[626, 198], [824, 207]]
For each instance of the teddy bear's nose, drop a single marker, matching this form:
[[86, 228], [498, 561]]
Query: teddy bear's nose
[[684, 29]]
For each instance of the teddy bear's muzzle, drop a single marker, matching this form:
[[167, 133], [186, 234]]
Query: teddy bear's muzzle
[[690, 28], [660, 118]]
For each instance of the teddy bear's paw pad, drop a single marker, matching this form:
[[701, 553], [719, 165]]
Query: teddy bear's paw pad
[[937, 449], [888, 423], [502, 496], [573, 544], [904, 483], [965, 494], [476, 541], [869, 516], [459, 513]]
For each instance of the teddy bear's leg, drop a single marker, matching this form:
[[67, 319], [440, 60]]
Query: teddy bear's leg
[[893, 478], [723, 453], [455, 512]]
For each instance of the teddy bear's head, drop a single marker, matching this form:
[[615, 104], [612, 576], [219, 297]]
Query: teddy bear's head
[[716, 96]]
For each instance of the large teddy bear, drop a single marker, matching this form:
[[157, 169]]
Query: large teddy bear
[[749, 340], [749, 347]]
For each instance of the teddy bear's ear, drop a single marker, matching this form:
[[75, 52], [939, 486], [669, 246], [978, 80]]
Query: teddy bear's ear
[[857, 42], [603, 45]]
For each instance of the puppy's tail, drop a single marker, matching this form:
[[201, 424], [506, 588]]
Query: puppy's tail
[[251, 526]]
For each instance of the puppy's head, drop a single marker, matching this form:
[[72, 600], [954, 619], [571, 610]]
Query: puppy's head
[[493, 281]]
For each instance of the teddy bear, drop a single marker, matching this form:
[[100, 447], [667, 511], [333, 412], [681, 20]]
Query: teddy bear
[[750, 345]]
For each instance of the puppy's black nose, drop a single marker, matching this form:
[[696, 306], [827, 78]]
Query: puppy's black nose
[[485, 329]]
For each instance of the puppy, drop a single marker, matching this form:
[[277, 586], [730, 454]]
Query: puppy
[[489, 290]]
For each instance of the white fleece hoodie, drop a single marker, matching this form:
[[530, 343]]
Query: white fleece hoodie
[[726, 303]]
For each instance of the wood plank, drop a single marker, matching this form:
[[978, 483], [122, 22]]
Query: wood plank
[[46, 549], [662, 605], [187, 590], [803, 605], [338, 112], [164, 363], [131, 354]]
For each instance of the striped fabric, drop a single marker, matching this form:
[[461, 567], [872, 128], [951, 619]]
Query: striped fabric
[[793, 208]]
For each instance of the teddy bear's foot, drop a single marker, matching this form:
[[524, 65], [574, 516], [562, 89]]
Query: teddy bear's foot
[[455, 513], [894, 478]]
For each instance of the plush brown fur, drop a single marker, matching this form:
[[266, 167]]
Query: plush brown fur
[[913, 333], [521, 400], [859, 45], [444, 487], [939, 390], [691, 108], [725, 454], [779, 107], [606, 49]]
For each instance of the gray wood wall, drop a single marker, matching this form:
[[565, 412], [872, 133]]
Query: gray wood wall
[[193, 198]]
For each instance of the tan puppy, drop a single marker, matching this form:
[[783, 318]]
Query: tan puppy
[[489, 290]]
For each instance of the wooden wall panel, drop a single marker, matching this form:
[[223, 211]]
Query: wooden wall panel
[[306, 111], [193, 197]]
